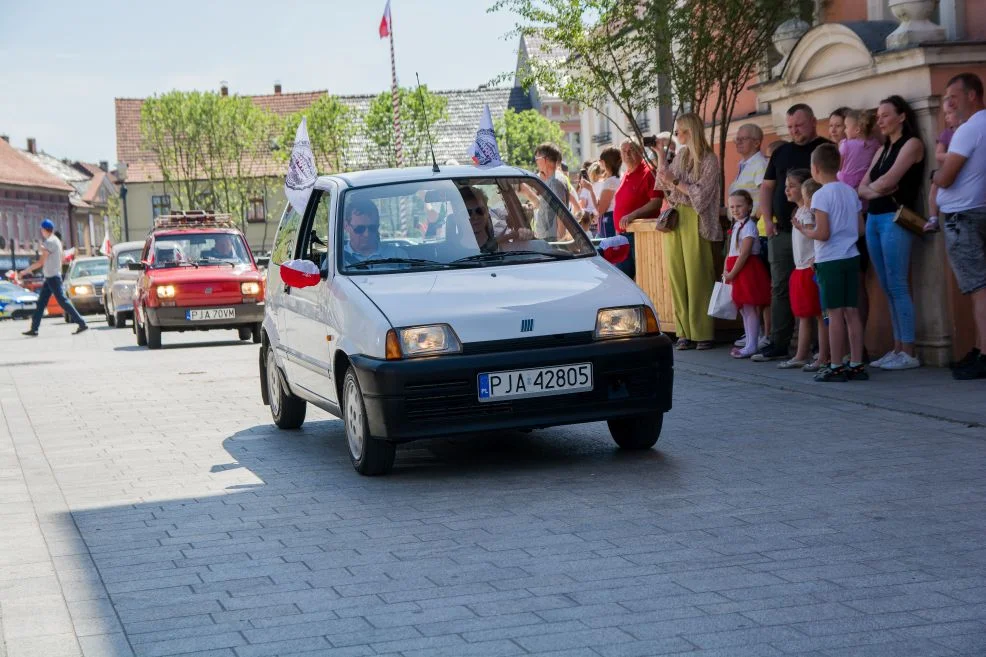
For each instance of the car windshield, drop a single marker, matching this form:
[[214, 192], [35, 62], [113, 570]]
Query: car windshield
[[456, 223], [199, 249], [90, 268], [124, 258], [9, 289]]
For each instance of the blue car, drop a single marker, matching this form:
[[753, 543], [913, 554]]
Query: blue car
[[16, 302]]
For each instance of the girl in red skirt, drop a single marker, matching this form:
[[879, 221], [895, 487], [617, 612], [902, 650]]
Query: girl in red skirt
[[803, 289], [745, 271]]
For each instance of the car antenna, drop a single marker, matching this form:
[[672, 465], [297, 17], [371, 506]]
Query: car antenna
[[424, 108]]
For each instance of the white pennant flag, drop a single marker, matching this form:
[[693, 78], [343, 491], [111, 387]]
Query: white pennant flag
[[484, 150], [300, 181]]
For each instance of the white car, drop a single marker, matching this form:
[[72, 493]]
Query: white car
[[415, 303]]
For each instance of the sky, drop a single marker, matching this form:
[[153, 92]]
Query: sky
[[62, 63]]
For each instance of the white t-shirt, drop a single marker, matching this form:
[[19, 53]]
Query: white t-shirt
[[843, 206], [53, 263], [749, 229], [586, 199], [804, 247], [969, 189]]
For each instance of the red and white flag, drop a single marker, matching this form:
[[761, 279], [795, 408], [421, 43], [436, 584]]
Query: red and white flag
[[385, 24], [107, 244]]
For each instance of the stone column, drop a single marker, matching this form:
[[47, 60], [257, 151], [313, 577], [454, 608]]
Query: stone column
[[929, 264]]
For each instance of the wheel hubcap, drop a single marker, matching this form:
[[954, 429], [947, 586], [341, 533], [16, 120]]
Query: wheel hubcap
[[273, 384], [354, 420]]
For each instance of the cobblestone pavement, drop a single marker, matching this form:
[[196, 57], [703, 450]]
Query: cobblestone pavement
[[148, 507]]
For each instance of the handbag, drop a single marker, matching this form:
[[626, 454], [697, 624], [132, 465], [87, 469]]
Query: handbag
[[721, 304], [668, 220], [910, 220]]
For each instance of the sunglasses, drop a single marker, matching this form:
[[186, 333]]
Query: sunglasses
[[362, 228], [475, 212]]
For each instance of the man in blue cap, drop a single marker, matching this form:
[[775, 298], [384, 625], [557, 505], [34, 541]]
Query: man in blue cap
[[50, 264]]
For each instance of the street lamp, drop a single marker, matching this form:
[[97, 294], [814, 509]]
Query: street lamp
[[121, 174]]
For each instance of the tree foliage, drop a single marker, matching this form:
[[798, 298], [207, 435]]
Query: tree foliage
[[420, 110], [518, 134], [331, 127]]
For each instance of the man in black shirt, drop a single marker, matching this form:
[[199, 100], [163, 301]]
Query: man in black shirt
[[796, 154]]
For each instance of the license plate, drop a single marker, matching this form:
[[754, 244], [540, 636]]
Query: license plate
[[210, 313], [538, 382]]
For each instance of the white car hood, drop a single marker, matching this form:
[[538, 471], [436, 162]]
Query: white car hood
[[489, 303]]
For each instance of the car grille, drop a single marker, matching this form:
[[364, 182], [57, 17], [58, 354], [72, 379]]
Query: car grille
[[98, 288], [434, 402], [521, 344]]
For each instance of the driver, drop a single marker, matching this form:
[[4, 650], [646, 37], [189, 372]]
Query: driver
[[362, 224], [222, 249]]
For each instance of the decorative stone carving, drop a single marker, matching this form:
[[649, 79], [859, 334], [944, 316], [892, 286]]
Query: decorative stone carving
[[915, 23], [786, 36]]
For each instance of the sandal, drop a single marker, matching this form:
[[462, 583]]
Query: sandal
[[813, 366], [684, 343], [705, 345], [736, 352], [791, 364]]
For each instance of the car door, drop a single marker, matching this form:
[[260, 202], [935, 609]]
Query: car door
[[306, 314]]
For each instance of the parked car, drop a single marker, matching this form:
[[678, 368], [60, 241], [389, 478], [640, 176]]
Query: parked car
[[84, 284], [501, 324], [33, 283], [121, 281], [16, 302], [196, 273]]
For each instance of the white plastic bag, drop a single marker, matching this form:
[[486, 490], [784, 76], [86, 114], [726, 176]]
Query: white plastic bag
[[721, 305]]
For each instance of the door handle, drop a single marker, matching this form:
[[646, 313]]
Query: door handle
[[287, 289]]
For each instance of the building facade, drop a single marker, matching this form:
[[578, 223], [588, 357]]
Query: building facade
[[29, 194]]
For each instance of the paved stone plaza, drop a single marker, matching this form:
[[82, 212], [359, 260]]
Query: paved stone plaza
[[149, 507]]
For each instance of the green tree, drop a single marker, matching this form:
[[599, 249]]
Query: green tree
[[518, 134], [331, 126], [420, 111]]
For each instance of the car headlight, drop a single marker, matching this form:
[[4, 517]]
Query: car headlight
[[165, 291], [417, 341], [250, 288], [81, 290], [625, 322]]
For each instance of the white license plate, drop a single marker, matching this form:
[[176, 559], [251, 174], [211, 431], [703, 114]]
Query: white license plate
[[538, 382], [210, 313]]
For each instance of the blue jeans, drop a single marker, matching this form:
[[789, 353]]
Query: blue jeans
[[606, 227], [890, 253], [53, 286]]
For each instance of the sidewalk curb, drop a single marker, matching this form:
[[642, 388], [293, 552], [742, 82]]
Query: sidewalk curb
[[830, 392]]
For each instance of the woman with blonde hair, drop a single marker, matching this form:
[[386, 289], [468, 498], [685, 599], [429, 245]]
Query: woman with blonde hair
[[692, 185]]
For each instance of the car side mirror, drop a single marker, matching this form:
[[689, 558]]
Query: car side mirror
[[136, 266], [300, 273]]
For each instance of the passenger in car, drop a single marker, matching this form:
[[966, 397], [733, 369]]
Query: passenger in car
[[492, 232]]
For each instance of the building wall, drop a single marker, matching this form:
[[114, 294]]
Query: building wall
[[139, 214], [842, 11], [22, 209]]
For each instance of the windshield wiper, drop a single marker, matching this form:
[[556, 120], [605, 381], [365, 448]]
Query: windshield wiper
[[216, 261], [417, 262], [500, 255], [183, 263]]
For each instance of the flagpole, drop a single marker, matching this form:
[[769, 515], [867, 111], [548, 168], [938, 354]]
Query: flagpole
[[395, 94]]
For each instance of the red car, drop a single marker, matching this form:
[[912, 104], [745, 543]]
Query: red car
[[197, 274]]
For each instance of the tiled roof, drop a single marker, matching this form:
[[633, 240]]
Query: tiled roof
[[452, 137], [94, 169], [537, 48], [91, 193], [17, 169]]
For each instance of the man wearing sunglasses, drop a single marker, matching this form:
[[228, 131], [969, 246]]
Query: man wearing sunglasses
[[363, 230]]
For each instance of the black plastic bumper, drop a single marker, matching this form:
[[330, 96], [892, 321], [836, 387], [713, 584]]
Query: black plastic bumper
[[411, 399], [173, 318]]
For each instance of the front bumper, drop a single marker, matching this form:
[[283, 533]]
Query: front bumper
[[419, 398], [173, 318], [87, 304]]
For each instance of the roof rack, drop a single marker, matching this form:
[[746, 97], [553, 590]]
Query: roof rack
[[193, 219]]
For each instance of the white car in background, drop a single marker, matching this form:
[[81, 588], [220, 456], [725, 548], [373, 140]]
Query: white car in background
[[118, 292], [415, 303]]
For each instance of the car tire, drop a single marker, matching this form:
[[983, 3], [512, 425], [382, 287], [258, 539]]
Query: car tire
[[119, 320], [139, 332], [638, 432], [370, 456], [245, 332], [256, 333], [68, 320], [287, 410], [153, 334], [110, 317]]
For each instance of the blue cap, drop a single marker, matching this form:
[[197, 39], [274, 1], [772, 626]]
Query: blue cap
[[48, 224]]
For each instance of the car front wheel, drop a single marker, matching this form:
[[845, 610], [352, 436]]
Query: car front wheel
[[638, 432], [287, 410], [153, 334], [139, 332], [110, 316], [370, 456], [245, 332]]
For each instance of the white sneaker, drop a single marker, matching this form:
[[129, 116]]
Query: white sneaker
[[902, 362], [740, 343], [883, 360], [763, 343]]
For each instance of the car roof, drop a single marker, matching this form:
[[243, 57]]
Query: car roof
[[91, 259], [127, 246], [164, 233], [413, 174]]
